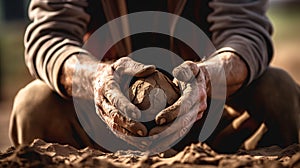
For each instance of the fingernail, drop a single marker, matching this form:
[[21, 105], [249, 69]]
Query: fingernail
[[144, 143], [140, 132], [162, 121], [146, 67], [149, 67], [154, 137]]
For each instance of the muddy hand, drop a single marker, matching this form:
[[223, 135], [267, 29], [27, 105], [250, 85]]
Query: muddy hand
[[192, 82], [165, 136], [113, 106], [176, 120]]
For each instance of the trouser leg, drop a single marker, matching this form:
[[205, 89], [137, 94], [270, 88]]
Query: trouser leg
[[272, 99], [38, 112]]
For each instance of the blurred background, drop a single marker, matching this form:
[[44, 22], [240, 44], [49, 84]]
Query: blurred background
[[285, 15]]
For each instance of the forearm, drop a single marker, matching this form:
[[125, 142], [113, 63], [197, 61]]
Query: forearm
[[55, 33], [236, 71], [234, 68], [78, 74], [243, 26]]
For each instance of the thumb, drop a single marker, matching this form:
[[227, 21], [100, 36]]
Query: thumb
[[186, 71], [127, 66]]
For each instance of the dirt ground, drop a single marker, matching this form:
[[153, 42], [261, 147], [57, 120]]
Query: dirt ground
[[42, 154]]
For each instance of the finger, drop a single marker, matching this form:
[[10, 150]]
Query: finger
[[128, 66], [120, 131], [126, 135], [111, 90], [116, 118], [168, 141], [193, 92], [186, 71], [178, 124], [158, 129], [129, 138], [200, 115], [190, 96]]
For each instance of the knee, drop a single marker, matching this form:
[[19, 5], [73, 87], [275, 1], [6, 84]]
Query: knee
[[277, 75], [28, 107], [273, 98], [31, 99], [275, 86], [273, 95], [276, 98]]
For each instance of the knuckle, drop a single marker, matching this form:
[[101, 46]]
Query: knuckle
[[100, 111], [97, 100], [115, 117], [200, 79], [124, 59], [110, 84], [103, 88], [200, 114], [114, 126], [110, 124], [183, 131], [192, 66], [186, 104], [202, 106], [202, 94], [131, 125], [189, 62], [168, 116], [186, 64], [186, 120], [120, 62]]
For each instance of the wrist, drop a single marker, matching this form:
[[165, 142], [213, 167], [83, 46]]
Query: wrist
[[76, 76], [234, 68], [236, 71]]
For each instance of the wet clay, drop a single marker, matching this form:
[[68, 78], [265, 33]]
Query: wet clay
[[153, 94]]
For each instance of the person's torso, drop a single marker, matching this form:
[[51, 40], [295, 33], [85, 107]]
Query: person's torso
[[195, 11]]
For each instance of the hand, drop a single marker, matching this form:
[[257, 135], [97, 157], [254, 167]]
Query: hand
[[113, 106], [192, 80]]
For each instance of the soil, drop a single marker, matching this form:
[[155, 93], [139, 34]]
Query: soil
[[152, 94], [42, 154], [153, 89]]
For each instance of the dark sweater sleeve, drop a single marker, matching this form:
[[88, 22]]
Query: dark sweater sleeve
[[241, 26], [55, 33]]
